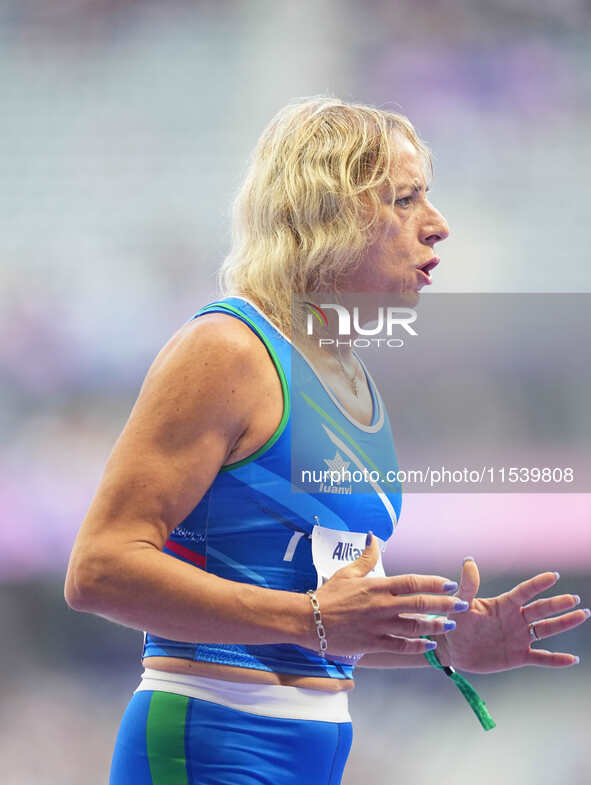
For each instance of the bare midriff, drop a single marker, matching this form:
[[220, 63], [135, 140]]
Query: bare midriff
[[214, 670]]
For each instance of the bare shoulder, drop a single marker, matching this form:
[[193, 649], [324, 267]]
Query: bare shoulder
[[214, 341], [234, 366], [200, 396], [214, 361], [206, 380]]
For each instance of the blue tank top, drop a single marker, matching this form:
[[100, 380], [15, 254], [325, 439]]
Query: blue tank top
[[254, 526]]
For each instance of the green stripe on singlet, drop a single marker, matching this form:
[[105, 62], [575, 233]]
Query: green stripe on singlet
[[165, 738], [351, 441]]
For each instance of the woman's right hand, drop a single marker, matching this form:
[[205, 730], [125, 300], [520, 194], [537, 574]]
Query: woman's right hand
[[362, 614]]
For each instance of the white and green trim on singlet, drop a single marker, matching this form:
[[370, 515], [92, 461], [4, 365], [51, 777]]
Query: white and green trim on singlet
[[282, 378]]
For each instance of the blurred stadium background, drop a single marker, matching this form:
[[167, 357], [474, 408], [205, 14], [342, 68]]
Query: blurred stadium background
[[125, 131]]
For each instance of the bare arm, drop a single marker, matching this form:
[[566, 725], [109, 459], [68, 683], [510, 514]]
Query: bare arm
[[197, 401], [192, 409]]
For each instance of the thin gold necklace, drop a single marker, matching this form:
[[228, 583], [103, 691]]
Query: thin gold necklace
[[351, 379]]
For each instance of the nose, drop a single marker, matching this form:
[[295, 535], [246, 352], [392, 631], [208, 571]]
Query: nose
[[435, 228]]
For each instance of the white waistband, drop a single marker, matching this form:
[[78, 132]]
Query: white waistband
[[269, 700]]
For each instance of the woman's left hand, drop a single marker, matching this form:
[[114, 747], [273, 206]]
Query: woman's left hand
[[494, 634]]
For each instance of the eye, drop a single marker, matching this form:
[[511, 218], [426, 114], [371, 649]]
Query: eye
[[404, 202]]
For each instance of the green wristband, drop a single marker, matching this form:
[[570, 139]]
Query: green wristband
[[474, 700]]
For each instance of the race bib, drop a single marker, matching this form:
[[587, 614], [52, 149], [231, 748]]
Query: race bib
[[334, 548]]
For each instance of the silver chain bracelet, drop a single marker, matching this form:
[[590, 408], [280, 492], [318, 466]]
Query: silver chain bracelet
[[318, 622]]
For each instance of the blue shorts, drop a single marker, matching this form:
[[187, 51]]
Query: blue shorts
[[170, 739]]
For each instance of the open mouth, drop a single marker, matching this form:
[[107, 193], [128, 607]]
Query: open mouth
[[425, 269]]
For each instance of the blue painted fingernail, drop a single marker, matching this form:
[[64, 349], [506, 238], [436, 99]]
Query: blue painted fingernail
[[557, 575], [577, 661], [449, 625], [450, 586], [469, 558], [368, 538], [586, 611], [430, 646], [576, 598], [461, 605]]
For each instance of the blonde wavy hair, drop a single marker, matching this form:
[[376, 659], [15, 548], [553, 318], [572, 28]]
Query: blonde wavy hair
[[308, 206]]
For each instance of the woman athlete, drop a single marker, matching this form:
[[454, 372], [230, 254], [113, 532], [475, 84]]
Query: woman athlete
[[195, 534]]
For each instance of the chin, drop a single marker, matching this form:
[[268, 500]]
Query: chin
[[409, 298]]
